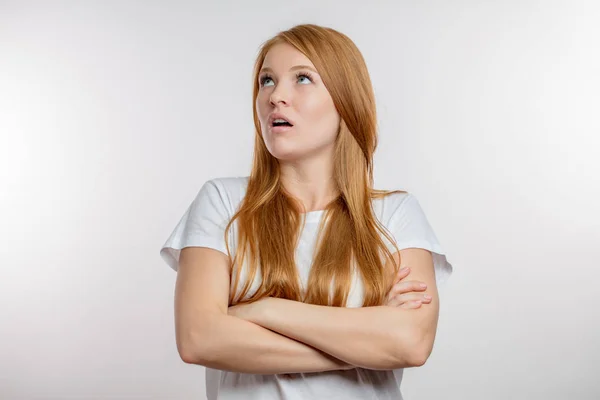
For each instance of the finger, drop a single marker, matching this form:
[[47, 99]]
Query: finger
[[402, 273], [405, 298], [393, 302], [391, 297], [408, 286], [397, 300], [411, 305]]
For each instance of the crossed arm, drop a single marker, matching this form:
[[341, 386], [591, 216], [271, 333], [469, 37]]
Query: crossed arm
[[281, 336]]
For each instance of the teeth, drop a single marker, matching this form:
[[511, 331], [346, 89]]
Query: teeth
[[279, 120]]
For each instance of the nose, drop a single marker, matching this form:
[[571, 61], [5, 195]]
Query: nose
[[278, 95]]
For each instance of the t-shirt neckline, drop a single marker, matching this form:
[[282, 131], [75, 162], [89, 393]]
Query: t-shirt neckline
[[313, 216]]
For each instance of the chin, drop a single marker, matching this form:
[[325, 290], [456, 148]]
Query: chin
[[283, 151], [285, 156], [288, 155]]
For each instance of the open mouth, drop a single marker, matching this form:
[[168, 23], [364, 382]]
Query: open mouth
[[281, 122]]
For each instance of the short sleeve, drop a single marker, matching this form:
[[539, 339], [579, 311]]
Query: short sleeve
[[202, 225], [411, 229]]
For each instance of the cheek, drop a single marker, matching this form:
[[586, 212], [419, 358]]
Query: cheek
[[322, 116], [262, 107]]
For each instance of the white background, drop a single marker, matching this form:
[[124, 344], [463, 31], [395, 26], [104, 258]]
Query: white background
[[114, 113]]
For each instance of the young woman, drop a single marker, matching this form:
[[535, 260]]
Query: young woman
[[288, 280]]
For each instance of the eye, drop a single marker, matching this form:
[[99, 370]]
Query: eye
[[264, 79], [306, 75]]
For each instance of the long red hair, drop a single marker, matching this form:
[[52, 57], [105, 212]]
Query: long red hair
[[270, 219]]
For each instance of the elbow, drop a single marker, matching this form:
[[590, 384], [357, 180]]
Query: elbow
[[187, 357], [191, 348], [414, 350], [419, 357], [188, 354], [196, 342]]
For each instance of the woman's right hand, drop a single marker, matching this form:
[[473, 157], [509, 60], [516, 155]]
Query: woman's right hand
[[405, 294]]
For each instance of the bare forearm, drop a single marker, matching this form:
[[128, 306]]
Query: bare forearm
[[233, 344], [358, 336]]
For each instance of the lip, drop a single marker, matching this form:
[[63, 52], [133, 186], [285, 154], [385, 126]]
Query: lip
[[274, 116], [280, 129]]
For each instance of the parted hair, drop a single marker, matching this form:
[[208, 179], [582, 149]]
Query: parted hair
[[270, 219]]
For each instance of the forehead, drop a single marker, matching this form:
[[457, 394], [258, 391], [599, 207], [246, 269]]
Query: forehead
[[283, 56]]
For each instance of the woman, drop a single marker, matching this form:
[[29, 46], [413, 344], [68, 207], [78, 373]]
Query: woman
[[320, 308]]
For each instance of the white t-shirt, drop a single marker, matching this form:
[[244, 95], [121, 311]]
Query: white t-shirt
[[203, 225]]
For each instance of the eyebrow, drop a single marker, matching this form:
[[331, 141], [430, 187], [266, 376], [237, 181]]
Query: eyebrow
[[294, 68]]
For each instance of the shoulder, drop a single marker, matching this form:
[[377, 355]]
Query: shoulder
[[227, 190], [410, 227], [402, 211], [389, 203], [229, 184], [396, 196]]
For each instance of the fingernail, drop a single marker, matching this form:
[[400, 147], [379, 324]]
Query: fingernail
[[427, 296], [423, 285], [404, 269]]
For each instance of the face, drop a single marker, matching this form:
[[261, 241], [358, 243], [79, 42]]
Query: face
[[291, 87]]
